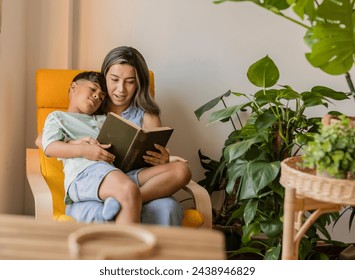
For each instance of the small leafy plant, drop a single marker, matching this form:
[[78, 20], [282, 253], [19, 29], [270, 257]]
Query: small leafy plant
[[333, 149]]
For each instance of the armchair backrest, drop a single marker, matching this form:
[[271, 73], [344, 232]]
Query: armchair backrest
[[52, 87]]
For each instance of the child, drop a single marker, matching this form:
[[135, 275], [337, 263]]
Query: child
[[91, 177]]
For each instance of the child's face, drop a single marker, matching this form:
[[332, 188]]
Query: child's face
[[121, 84], [86, 97]]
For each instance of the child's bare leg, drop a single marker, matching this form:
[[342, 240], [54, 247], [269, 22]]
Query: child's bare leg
[[121, 187], [163, 180]]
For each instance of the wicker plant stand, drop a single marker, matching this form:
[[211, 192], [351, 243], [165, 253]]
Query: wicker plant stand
[[306, 191]]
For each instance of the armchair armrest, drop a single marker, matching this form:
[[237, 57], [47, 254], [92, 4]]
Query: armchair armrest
[[202, 202], [40, 190], [200, 195]]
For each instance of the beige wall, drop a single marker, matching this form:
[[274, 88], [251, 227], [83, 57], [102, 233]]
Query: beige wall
[[49, 27], [197, 50], [12, 106]]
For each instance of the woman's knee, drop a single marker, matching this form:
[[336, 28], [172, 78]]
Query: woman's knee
[[182, 172]]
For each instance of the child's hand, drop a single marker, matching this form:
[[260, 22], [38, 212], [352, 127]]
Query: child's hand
[[96, 152], [93, 150], [84, 140], [157, 158]]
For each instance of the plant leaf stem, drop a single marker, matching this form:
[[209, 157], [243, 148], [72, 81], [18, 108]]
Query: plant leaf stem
[[291, 19], [225, 106], [350, 84]]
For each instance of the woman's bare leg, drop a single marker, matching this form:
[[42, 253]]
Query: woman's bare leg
[[163, 180]]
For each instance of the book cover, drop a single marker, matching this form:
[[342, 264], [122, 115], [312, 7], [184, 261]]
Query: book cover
[[129, 142]]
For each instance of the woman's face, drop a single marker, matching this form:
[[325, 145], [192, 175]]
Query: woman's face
[[121, 85]]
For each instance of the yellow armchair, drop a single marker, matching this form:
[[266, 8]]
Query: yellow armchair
[[45, 175]]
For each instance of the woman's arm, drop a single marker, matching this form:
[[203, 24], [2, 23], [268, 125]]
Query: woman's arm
[[150, 120], [155, 158]]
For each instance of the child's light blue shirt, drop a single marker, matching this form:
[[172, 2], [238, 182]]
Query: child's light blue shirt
[[62, 126]]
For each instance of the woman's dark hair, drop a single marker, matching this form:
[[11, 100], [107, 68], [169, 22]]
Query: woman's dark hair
[[130, 56]]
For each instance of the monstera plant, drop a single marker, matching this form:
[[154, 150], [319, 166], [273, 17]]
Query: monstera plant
[[329, 31], [276, 128]]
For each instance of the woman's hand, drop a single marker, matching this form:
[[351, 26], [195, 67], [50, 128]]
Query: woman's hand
[[157, 158]]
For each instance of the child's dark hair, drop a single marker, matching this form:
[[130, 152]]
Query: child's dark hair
[[97, 78], [94, 77]]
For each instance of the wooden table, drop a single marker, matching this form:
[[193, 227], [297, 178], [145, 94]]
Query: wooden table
[[306, 191], [23, 237]]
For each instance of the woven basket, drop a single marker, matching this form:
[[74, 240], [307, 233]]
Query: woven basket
[[308, 184], [329, 119]]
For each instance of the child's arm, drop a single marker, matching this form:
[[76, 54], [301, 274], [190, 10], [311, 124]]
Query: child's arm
[[94, 151], [38, 141]]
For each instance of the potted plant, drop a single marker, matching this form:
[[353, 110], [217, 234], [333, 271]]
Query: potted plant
[[249, 167], [332, 151]]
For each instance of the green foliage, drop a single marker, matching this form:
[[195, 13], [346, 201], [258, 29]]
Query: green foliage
[[330, 31], [249, 167], [333, 149]]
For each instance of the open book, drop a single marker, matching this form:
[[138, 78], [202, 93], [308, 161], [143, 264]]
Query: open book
[[129, 142]]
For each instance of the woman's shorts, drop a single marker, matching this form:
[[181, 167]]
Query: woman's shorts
[[87, 183]]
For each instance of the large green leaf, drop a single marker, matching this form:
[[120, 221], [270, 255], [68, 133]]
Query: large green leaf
[[210, 104], [332, 37], [304, 7], [273, 253], [263, 73], [250, 211], [235, 171], [238, 149], [249, 231], [254, 176], [226, 113], [244, 250], [265, 120], [262, 97], [330, 93], [311, 99], [271, 228]]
